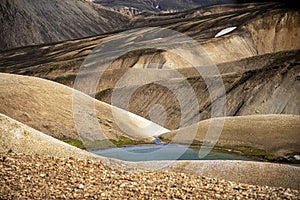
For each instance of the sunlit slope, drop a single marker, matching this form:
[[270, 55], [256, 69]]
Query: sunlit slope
[[19, 138], [276, 134], [62, 112]]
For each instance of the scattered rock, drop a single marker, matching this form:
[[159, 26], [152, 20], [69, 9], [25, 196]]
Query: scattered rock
[[35, 177]]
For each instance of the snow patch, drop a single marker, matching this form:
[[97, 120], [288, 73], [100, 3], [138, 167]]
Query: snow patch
[[297, 157], [225, 31]]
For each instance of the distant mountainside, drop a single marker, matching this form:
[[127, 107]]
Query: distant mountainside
[[28, 22], [157, 5], [259, 63]]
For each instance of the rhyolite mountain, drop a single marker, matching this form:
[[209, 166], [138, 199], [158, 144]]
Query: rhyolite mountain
[[259, 63], [157, 5], [29, 22]]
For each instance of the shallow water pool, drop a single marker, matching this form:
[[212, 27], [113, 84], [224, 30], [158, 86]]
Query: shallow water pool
[[165, 152]]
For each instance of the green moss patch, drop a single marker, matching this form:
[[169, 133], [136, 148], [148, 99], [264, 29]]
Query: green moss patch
[[125, 141], [262, 154], [248, 151], [104, 93], [65, 78], [103, 144], [76, 143]]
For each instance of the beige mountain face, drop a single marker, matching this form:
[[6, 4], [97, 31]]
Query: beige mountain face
[[63, 113]]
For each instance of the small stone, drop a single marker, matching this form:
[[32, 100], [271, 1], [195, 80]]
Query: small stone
[[81, 186], [103, 194]]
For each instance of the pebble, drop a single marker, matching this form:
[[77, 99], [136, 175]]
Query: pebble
[[45, 177]]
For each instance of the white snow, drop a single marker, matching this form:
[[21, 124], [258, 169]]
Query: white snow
[[225, 31], [297, 157]]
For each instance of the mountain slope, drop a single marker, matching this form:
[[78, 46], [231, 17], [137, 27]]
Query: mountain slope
[[62, 112], [19, 138], [259, 84], [278, 135], [254, 22], [31, 22], [267, 84], [157, 5]]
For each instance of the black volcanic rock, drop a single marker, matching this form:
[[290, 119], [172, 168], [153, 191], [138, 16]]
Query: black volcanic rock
[[28, 22]]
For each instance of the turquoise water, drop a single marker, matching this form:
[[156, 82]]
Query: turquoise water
[[164, 152]]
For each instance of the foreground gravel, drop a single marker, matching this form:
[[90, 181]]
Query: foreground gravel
[[45, 177]]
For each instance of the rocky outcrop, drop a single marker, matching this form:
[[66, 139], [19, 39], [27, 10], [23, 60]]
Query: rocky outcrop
[[129, 11]]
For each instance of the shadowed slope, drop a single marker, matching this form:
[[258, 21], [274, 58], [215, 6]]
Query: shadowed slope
[[31, 22], [255, 23]]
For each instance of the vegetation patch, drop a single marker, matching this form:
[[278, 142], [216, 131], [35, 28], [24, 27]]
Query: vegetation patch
[[103, 144], [142, 51], [76, 143], [262, 154], [278, 55], [104, 93], [248, 151], [125, 141], [65, 79]]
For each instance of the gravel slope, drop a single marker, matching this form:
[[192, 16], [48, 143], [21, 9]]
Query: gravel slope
[[32, 177]]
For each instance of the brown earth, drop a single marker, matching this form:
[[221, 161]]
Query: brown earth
[[258, 84]]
